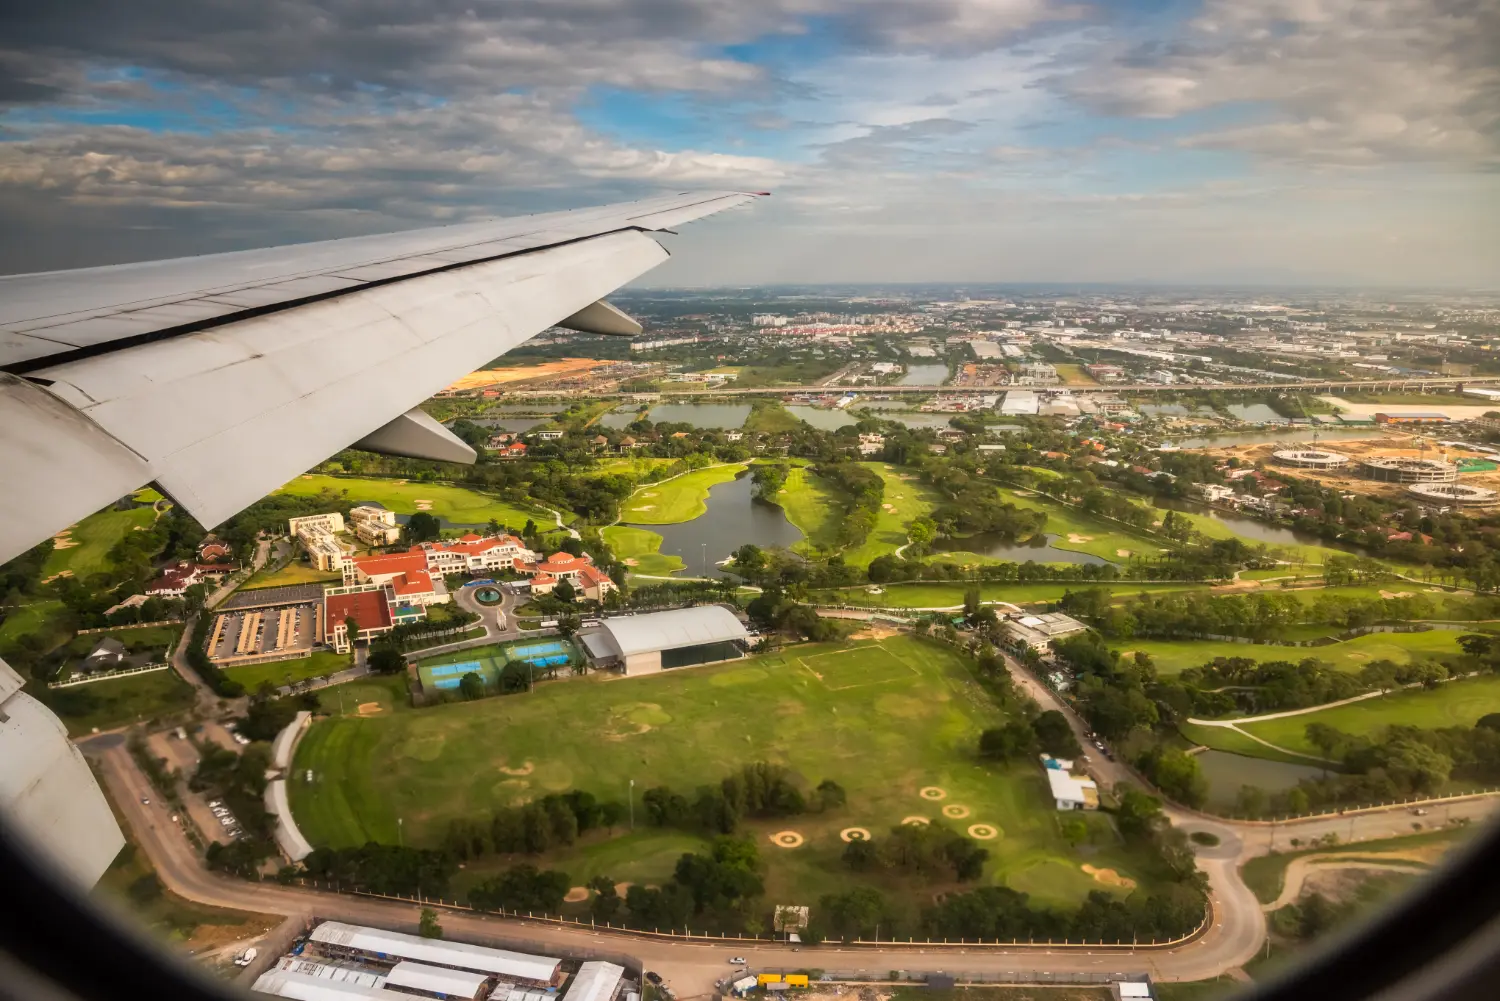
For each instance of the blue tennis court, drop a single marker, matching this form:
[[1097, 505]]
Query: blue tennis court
[[536, 650], [456, 670]]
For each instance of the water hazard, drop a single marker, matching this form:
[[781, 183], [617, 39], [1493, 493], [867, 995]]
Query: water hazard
[[1039, 550], [1226, 773], [734, 517]]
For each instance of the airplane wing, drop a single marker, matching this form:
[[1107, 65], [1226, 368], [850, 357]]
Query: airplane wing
[[221, 377]]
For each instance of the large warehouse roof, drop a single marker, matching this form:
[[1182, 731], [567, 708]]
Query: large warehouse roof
[[680, 627], [305, 987], [438, 952], [595, 981], [436, 979]]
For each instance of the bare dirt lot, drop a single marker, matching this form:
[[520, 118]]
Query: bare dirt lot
[[525, 373], [1346, 478]]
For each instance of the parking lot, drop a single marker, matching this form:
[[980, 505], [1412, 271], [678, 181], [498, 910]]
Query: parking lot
[[271, 630], [210, 817]]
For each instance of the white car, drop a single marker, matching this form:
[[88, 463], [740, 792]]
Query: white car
[[737, 960]]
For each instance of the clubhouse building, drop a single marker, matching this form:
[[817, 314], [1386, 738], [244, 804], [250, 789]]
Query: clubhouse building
[[657, 641]]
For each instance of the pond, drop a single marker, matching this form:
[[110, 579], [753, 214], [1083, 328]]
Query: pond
[[924, 375], [722, 416], [1226, 772], [1268, 437], [1039, 549], [621, 417], [1248, 528], [1256, 413], [823, 419], [734, 517]]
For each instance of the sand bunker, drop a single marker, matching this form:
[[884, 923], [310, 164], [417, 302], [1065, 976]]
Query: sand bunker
[[955, 812], [1109, 877], [933, 792], [1075, 537], [623, 888], [1388, 595], [577, 894], [368, 709], [645, 507], [64, 540], [631, 561], [889, 507], [423, 505], [1123, 553], [855, 834], [983, 832], [915, 821], [787, 839], [525, 769]]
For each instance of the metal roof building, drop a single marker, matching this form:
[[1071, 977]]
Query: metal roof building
[[307, 987], [437, 952], [645, 644], [437, 980], [288, 835], [595, 981], [286, 740]]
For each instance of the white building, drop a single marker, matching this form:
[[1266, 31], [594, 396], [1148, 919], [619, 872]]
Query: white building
[[1069, 791], [1019, 403], [869, 444], [375, 526], [1037, 632], [317, 533], [656, 641]]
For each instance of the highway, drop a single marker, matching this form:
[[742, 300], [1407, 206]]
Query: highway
[[1237, 932], [1302, 386]]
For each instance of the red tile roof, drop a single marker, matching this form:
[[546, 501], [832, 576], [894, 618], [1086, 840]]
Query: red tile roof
[[413, 582], [368, 608], [414, 559]]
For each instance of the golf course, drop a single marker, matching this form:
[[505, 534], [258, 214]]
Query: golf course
[[1171, 657], [894, 722], [456, 505], [681, 498]]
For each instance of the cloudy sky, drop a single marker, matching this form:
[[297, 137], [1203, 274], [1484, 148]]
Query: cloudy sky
[[1255, 141]]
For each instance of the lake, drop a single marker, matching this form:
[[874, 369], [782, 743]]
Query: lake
[[620, 417], [1038, 550], [823, 419], [1227, 772], [734, 517], [722, 416], [1269, 437], [1249, 528], [1256, 413], [924, 375]]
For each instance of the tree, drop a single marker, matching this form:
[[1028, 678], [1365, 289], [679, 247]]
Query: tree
[[386, 659], [471, 686], [1055, 736], [424, 527], [522, 887], [568, 623], [564, 591], [351, 628], [1010, 742], [831, 794], [428, 926], [606, 903]]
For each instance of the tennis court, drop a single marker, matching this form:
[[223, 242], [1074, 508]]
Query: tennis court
[[448, 676], [541, 654]]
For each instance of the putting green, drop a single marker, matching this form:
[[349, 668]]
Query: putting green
[[905, 500], [640, 549]]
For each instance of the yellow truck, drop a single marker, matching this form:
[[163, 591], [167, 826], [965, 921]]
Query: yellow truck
[[768, 978]]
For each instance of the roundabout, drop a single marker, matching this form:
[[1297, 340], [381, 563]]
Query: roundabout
[[488, 595]]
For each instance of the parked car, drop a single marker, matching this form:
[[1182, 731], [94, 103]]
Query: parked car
[[247, 957], [737, 960]]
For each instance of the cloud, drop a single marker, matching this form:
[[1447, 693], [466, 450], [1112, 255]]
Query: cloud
[[1323, 81]]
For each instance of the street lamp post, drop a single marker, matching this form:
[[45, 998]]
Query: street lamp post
[[401, 831], [632, 804]]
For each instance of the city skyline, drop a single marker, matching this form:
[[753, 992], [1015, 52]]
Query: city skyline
[[1161, 143]]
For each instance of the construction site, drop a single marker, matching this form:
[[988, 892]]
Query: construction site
[[1387, 465]]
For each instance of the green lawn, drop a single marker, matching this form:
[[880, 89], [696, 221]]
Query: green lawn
[[1222, 738], [1172, 656], [282, 672], [681, 498], [906, 500], [40, 618], [637, 468], [120, 701], [640, 548], [884, 720], [454, 504], [295, 572], [770, 417], [1083, 533], [1457, 703], [84, 550], [814, 505], [146, 495]]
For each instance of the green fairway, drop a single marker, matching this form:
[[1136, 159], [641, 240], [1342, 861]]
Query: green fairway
[[635, 467], [39, 618], [458, 505], [1172, 656], [906, 499], [815, 506], [1081, 533], [120, 701], [84, 549], [884, 720], [640, 549], [284, 672], [1457, 703], [935, 594], [295, 572], [682, 498], [770, 417]]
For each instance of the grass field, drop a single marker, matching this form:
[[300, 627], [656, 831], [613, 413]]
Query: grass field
[[908, 500], [1171, 656], [1265, 875], [1074, 375], [931, 594], [814, 505], [636, 468], [108, 704], [39, 618], [284, 672], [458, 505], [1222, 738], [92, 539], [1081, 533], [640, 548], [295, 572], [770, 417], [1457, 703], [681, 498], [884, 720]]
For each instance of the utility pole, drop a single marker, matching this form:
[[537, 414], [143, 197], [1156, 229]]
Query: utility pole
[[705, 559], [401, 831], [632, 804]]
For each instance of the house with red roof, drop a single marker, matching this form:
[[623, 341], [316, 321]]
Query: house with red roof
[[366, 604], [175, 580], [475, 554], [579, 571]]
